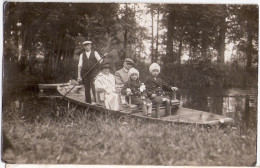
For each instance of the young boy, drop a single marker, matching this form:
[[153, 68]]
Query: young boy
[[155, 88], [137, 91]]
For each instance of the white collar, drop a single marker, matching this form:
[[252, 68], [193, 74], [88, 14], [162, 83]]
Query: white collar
[[125, 70]]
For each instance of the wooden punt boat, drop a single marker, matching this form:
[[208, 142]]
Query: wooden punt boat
[[179, 115]]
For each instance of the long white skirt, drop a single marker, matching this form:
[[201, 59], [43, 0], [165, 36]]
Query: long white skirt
[[111, 101]]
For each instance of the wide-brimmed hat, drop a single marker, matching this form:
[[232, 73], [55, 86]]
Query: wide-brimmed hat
[[87, 42], [129, 60], [105, 65]]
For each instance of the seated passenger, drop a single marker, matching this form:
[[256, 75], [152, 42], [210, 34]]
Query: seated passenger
[[121, 77], [137, 91], [155, 89], [105, 85]]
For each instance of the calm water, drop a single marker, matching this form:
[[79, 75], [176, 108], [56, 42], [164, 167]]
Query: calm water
[[241, 105]]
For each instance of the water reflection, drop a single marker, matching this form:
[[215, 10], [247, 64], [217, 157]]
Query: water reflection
[[238, 104]]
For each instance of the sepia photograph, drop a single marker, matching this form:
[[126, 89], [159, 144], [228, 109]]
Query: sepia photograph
[[140, 84]]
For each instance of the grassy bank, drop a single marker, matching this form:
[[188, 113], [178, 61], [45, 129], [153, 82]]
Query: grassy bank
[[57, 136]]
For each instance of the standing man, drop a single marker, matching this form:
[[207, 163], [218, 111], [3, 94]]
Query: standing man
[[86, 61], [121, 77]]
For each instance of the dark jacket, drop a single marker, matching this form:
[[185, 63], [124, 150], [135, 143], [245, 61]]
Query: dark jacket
[[87, 64], [157, 86], [135, 89]]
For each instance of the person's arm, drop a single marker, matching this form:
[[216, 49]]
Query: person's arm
[[98, 57], [80, 68], [79, 74], [119, 82], [148, 87], [168, 87], [165, 86], [99, 86], [123, 91]]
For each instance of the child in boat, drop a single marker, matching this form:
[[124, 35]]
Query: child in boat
[[105, 86], [155, 89], [137, 91]]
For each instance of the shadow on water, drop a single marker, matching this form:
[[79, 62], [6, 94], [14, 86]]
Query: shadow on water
[[241, 105]]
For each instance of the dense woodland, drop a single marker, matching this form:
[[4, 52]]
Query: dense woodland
[[42, 41]]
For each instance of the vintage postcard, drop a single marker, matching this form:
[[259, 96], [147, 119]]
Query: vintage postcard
[[138, 84]]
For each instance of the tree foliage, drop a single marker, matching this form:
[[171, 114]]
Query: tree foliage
[[45, 38], [203, 29]]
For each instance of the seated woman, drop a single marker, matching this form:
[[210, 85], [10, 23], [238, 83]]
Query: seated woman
[[137, 91], [105, 85]]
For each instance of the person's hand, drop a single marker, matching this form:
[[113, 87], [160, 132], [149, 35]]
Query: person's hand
[[79, 79], [128, 91], [153, 95], [165, 99], [174, 88], [106, 54], [142, 97], [142, 88]]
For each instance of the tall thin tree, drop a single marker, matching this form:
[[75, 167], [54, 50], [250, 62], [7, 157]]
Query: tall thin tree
[[157, 35], [152, 48]]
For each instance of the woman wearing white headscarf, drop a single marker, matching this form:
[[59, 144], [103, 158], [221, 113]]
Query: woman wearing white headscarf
[[105, 85]]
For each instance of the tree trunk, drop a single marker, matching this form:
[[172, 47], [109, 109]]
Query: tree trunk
[[58, 56], [152, 54], [125, 35], [204, 44], [190, 53], [221, 44], [249, 47], [169, 48], [53, 54], [135, 40], [66, 52], [157, 36], [180, 50], [22, 57]]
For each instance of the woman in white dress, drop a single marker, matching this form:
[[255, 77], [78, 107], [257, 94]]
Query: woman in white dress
[[105, 86]]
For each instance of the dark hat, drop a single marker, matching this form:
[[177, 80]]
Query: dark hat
[[105, 65], [129, 60]]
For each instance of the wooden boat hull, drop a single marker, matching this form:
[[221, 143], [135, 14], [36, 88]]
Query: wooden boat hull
[[50, 86], [179, 115]]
